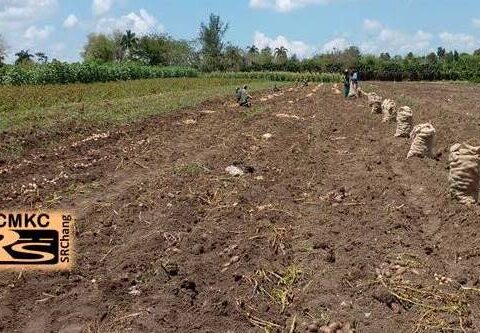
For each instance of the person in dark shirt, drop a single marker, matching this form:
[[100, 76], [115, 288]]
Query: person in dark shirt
[[346, 83]]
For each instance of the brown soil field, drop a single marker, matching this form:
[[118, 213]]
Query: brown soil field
[[329, 224]]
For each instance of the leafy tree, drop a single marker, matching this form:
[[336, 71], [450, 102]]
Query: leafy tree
[[348, 57], [234, 58], [211, 40], [41, 57], [410, 55], [292, 63], [152, 50], [99, 48], [182, 53], [385, 56], [432, 58], [266, 51], [161, 49], [24, 57], [252, 50], [353, 52], [456, 56], [264, 58], [476, 52], [119, 51], [252, 55], [449, 57]]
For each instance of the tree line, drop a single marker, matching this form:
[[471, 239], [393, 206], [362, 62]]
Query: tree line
[[209, 53]]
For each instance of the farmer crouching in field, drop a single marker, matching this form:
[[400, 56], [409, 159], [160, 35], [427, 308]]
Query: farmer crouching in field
[[243, 97], [346, 83]]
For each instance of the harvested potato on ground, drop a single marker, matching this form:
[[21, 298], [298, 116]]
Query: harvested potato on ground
[[337, 328]]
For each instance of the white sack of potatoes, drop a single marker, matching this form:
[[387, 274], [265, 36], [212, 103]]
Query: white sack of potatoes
[[423, 140], [464, 174], [361, 93], [375, 102], [404, 122], [389, 110], [353, 91]]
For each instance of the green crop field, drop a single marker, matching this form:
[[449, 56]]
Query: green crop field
[[27, 108], [279, 76]]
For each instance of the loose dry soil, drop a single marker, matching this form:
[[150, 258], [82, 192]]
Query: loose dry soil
[[330, 222]]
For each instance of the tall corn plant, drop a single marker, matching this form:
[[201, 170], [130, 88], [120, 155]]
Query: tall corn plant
[[64, 73], [278, 76]]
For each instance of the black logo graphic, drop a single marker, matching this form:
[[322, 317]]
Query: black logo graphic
[[35, 241]]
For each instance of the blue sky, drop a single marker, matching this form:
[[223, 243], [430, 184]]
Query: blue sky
[[59, 27]]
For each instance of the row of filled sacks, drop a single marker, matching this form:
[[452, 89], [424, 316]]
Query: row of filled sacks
[[390, 113], [464, 159]]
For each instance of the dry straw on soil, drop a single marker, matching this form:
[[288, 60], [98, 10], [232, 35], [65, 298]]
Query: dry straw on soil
[[439, 303], [438, 309], [278, 290]]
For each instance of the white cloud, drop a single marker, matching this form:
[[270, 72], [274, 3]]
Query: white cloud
[[384, 39], [33, 33], [400, 42], [421, 41], [70, 22], [339, 44], [101, 7], [460, 41], [284, 5], [372, 25], [140, 23], [19, 21], [476, 23], [24, 10], [301, 49]]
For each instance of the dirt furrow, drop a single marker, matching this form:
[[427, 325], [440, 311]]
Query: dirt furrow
[[325, 225]]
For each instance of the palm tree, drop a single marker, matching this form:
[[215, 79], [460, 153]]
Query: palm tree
[[252, 49], [281, 53], [129, 41], [42, 57], [23, 57]]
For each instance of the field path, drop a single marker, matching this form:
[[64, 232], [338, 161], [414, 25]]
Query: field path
[[167, 241]]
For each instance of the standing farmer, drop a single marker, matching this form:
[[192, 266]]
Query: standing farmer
[[346, 83], [355, 80]]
